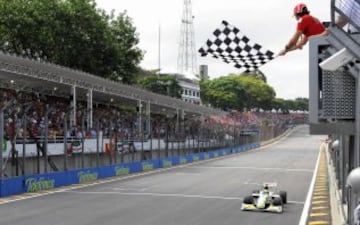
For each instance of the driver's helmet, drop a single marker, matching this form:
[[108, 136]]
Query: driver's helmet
[[266, 189]]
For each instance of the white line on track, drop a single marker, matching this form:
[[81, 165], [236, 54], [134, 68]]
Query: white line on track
[[304, 214], [168, 195], [128, 189], [156, 194], [188, 174], [257, 168]]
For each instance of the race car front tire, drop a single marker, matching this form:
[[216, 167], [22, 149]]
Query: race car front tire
[[283, 196], [248, 200], [277, 201]]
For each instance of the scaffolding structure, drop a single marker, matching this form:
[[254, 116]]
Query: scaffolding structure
[[334, 98]]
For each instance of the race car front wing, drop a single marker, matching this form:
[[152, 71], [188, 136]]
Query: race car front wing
[[270, 208]]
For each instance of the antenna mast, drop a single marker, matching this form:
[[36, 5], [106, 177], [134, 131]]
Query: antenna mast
[[159, 50]]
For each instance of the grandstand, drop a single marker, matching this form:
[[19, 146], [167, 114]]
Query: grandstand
[[56, 119]]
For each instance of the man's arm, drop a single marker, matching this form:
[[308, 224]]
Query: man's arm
[[292, 45], [302, 42]]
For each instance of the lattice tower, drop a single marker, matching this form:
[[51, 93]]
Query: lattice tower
[[187, 63]]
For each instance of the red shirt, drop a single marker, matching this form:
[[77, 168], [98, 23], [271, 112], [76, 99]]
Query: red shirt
[[310, 26]]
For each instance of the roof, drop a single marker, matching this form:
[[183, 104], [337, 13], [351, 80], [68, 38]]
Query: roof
[[30, 75]]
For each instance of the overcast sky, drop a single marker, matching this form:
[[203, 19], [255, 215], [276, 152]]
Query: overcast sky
[[267, 22]]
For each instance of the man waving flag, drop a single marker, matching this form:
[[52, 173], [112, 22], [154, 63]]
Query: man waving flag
[[233, 47]]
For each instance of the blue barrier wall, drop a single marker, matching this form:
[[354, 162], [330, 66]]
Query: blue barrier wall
[[34, 183]]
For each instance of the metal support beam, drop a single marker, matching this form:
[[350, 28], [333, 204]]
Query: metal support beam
[[148, 113], [346, 39], [140, 116], [73, 92], [45, 145], [90, 109], [314, 83], [1, 140], [357, 126], [177, 120], [344, 165], [336, 46], [341, 128]]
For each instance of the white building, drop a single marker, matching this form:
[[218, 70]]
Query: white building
[[190, 89]]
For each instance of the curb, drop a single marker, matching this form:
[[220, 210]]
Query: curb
[[320, 212], [338, 213]]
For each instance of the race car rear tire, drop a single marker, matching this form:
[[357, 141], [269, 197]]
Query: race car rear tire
[[283, 196], [248, 200], [277, 201]]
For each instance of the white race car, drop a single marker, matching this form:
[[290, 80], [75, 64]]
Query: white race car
[[265, 200]]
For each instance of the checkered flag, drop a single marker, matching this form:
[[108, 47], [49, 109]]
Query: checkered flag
[[233, 47]]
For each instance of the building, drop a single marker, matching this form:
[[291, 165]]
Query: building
[[190, 89]]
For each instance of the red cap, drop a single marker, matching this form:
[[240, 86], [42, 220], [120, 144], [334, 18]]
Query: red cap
[[300, 8]]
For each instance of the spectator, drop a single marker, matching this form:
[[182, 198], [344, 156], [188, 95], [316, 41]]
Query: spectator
[[357, 215], [351, 9], [307, 26]]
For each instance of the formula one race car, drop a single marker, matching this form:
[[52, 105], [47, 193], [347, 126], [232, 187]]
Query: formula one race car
[[265, 200]]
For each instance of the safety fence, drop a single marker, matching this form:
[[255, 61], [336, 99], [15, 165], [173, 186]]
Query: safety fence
[[39, 156], [39, 182]]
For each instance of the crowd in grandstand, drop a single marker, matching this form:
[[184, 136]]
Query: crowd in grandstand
[[111, 119]]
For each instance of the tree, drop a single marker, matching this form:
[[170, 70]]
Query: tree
[[285, 105], [237, 92], [260, 94], [256, 73], [71, 33], [164, 85], [289, 104], [301, 104], [225, 92], [124, 40], [278, 104]]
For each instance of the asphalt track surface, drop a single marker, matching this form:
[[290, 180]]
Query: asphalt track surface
[[205, 193]]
